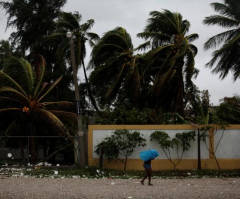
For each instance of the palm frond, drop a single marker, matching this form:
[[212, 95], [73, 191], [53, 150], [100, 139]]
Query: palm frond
[[50, 88], [87, 26], [192, 37], [6, 89], [21, 71], [116, 84], [222, 9], [11, 80], [219, 38], [55, 36], [194, 49], [189, 69], [69, 21], [28, 72], [93, 36], [10, 109], [221, 21], [144, 46], [10, 99], [54, 121], [39, 79]]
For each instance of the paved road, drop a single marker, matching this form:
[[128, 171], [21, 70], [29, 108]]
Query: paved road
[[68, 188]]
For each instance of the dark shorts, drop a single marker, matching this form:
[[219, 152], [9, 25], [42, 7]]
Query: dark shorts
[[147, 166]]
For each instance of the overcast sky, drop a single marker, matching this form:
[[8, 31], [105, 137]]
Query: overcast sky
[[133, 15]]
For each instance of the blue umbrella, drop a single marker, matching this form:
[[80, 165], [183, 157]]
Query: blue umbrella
[[148, 155]]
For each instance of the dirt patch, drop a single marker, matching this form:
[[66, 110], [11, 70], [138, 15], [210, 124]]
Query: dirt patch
[[48, 188]]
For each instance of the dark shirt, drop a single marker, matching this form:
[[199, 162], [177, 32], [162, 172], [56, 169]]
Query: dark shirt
[[147, 162]]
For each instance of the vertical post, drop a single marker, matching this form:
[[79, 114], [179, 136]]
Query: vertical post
[[211, 144], [199, 149], [79, 148]]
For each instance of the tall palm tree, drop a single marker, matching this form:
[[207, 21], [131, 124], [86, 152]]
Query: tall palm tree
[[22, 87], [116, 68], [69, 22], [227, 57], [171, 59]]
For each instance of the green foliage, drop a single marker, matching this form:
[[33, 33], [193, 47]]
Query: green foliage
[[121, 142], [185, 139], [225, 58], [128, 141], [171, 60], [126, 116], [22, 96], [180, 143], [116, 74], [229, 110], [108, 147], [31, 20]]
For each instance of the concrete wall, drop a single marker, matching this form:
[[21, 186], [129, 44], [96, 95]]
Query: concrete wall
[[224, 142]]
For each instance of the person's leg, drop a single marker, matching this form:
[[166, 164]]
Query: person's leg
[[146, 175], [149, 173]]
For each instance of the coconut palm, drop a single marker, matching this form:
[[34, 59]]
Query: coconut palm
[[227, 57], [71, 22], [22, 87], [66, 23], [116, 73], [171, 59]]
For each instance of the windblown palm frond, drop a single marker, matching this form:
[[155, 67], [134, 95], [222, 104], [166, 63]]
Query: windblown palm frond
[[172, 57], [226, 57], [115, 66]]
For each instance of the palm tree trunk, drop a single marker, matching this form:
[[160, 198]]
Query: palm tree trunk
[[89, 90], [79, 145]]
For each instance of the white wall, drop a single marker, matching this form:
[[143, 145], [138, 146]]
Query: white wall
[[229, 144], [99, 135]]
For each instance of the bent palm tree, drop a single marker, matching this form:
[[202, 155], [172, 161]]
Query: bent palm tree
[[116, 71], [227, 57], [23, 88], [171, 58]]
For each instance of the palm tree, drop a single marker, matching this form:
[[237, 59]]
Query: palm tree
[[66, 23], [171, 59], [22, 87], [32, 20], [70, 22], [116, 74], [227, 57]]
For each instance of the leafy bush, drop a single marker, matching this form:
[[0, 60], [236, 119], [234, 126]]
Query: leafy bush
[[121, 142], [181, 141]]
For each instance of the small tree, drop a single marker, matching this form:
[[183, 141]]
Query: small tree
[[127, 142], [107, 148], [121, 142], [180, 144]]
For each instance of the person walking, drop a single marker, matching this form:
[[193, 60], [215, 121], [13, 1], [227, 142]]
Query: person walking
[[148, 172], [147, 157]]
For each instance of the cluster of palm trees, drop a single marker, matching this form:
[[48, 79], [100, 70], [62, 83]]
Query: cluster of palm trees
[[156, 75], [156, 78]]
